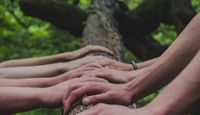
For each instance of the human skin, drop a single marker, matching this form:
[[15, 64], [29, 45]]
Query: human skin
[[21, 99], [62, 57], [114, 64], [47, 81], [177, 98], [104, 109], [160, 73], [49, 70], [113, 75]]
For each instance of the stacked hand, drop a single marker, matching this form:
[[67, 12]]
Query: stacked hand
[[82, 61], [88, 49], [52, 96], [104, 109], [100, 91], [112, 75], [113, 64]]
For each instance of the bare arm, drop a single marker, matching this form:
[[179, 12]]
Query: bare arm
[[182, 94], [14, 99], [63, 57], [171, 63], [178, 98], [49, 70], [123, 66], [21, 99], [147, 63], [46, 82], [164, 70]]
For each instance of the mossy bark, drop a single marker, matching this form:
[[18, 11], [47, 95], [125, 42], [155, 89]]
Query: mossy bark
[[101, 29]]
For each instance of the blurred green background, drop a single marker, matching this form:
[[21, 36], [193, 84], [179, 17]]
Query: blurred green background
[[23, 36]]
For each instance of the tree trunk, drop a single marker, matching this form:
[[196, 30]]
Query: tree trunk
[[101, 30]]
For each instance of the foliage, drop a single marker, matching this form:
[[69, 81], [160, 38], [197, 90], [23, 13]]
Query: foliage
[[23, 36], [30, 37]]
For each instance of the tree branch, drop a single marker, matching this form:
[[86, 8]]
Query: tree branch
[[67, 17]]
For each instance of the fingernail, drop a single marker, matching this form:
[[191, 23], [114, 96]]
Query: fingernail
[[86, 101]]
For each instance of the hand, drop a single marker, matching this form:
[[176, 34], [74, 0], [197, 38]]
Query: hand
[[52, 96], [112, 75], [76, 73], [88, 49], [113, 64], [82, 61], [102, 92], [104, 109]]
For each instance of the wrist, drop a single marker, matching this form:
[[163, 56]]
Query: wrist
[[46, 97], [54, 80], [136, 84], [131, 91], [42, 96]]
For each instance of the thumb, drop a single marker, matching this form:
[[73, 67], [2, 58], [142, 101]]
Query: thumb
[[91, 100]]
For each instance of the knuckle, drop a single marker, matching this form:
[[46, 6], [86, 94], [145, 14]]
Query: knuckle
[[111, 94], [74, 94]]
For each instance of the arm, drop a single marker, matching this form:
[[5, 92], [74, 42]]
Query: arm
[[14, 99], [164, 70], [113, 75], [147, 63], [181, 94], [63, 57], [46, 82], [177, 98], [49, 70], [113, 64], [20, 99], [170, 64]]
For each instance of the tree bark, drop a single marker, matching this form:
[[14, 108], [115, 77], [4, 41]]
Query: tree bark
[[135, 26], [101, 30]]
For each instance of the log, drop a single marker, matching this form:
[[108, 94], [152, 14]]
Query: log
[[101, 29]]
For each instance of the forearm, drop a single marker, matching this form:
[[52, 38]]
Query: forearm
[[49, 70], [14, 99], [147, 63], [30, 82], [169, 65], [180, 95], [33, 71], [37, 61], [62, 57]]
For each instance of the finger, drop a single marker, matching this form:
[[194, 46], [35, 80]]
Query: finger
[[69, 90], [95, 99], [102, 49], [116, 68], [90, 74], [87, 75], [78, 93], [103, 76], [94, 80], [89, 112], [74, 96], [84, 70], [94, 65]]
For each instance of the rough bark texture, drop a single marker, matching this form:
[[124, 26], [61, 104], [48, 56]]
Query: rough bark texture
[[101, 30], [135, 26], [101, 27]]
